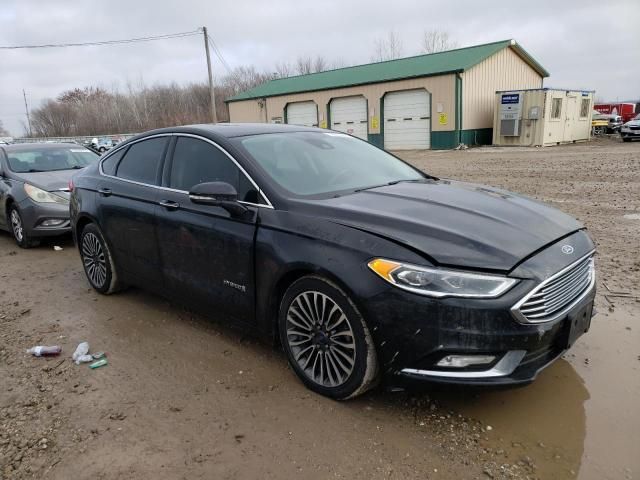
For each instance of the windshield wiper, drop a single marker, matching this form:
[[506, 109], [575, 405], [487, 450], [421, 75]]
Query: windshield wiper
[[34, 170], [394, 182]]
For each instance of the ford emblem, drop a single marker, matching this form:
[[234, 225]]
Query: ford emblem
[[567, 249]]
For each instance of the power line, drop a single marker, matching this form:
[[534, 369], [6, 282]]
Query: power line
[[106, 42], [218, 53]]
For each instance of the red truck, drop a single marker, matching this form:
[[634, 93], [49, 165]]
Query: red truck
[[627, 110]]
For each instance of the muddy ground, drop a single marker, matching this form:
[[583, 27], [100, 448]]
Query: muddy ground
[[188, 397]]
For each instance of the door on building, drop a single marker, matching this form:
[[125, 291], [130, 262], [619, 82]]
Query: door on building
[[349, 115], [570, 120], [302, 113], [407, 120]]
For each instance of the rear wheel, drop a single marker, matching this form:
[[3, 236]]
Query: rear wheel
[[326, 340], [20, 235], [97, 261]]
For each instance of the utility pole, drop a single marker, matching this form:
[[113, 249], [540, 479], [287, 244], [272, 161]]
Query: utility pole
[[214, 117], [26, 109]]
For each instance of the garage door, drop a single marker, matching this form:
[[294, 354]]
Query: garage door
[[302, 113], [349, 115], [406, 120]]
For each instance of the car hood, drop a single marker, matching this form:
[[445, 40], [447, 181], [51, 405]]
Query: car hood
[[632, 123], [454, 223], [57, 181]]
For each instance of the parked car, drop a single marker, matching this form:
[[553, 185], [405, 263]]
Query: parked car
[[614, 122], [102, 144], [363, 266], [631, 129], [34, 193]]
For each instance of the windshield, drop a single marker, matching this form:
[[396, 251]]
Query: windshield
[[315, 163], [50, 159]]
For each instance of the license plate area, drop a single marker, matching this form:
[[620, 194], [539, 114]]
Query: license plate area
[[578, 322]]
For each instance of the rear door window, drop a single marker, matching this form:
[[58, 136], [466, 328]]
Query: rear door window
[[110, 163], [143, 161]]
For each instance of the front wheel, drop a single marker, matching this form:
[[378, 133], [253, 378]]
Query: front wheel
[[97, 260], [327, 342], [20, 235]]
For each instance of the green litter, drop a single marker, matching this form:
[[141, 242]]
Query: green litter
[[99, 363]]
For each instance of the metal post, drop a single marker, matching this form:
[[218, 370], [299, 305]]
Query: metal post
[[26, 109], [214, 117]]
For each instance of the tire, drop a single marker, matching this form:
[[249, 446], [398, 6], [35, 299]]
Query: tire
[[102, 149], [97, 261], [21, 237], [626, 139], [337, 370]]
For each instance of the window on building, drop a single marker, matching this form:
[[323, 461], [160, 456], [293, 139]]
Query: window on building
[[556, 108], [196, 161], [584, 108], [142, 161]]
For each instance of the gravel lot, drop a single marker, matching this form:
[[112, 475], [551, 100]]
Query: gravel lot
[[188, 397]]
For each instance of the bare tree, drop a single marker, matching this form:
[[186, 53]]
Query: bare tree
[[320, 64], [434, 41], [387, 48], [3, 132], [283, 70], [304, 65]]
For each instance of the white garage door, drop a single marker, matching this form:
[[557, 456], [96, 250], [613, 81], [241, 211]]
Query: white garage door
[[302, 113], [349, 115], [406, 120]]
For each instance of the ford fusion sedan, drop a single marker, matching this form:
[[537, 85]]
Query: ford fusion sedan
[[34, 192], [363, 267]]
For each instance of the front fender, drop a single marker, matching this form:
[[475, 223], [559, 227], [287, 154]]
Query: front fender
[[290, 245]]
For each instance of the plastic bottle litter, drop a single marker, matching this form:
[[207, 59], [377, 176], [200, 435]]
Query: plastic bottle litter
[[45, 351], [98, 355], [99, 363], [81, 354]]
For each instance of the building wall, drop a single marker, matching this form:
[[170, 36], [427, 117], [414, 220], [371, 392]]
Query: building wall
[[442, 89], [248, 111], [505, 70]]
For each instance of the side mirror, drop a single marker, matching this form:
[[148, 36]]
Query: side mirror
[[218, 194]]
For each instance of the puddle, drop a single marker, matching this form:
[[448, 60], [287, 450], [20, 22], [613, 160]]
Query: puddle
[[581, 417], [632, 216]]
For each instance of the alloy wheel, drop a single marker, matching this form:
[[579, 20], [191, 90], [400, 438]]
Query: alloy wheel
[[321, 339], [16, 224], [94, 259]]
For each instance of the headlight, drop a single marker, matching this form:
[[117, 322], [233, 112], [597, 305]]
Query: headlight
[[439, 282], [38, 195]]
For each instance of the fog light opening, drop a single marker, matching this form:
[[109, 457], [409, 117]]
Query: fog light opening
[[462, 361], [52, 222]]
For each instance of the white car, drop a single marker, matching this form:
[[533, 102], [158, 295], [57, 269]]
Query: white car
[[631, 129]]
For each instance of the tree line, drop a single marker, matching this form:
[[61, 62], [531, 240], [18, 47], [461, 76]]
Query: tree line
[[139, 107]]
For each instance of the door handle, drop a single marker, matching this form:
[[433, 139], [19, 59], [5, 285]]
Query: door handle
[[105, 192], [169, 204]]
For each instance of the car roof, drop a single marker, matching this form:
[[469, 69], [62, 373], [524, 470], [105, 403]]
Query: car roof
[[230, 130], [19, 147]]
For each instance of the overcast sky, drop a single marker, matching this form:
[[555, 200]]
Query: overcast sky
[[583, 43]]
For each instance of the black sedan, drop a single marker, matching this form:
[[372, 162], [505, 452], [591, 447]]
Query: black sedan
[[34, 192], [362, 266]]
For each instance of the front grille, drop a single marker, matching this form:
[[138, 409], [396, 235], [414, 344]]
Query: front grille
[[556, 295]]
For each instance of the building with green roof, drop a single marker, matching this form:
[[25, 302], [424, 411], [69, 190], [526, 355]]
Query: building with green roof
[[437, 100]]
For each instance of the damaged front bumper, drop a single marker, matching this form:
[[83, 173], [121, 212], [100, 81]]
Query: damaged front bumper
[[474, 341]]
